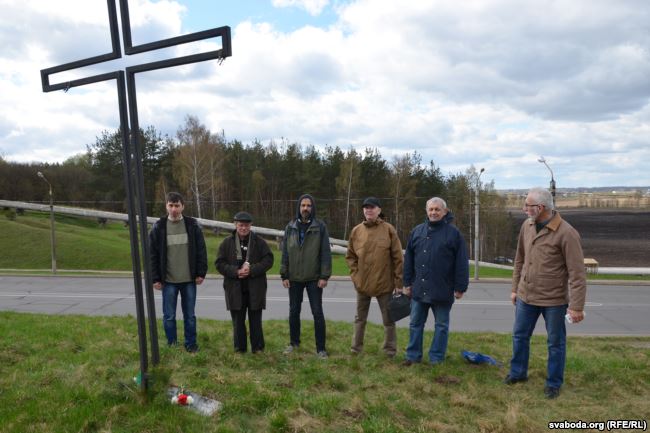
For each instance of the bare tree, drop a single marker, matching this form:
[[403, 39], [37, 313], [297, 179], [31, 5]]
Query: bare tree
[[194, 160]]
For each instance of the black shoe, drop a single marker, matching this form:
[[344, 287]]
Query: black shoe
[[509, 380], [551, 392], [192, 349], [407, 363]]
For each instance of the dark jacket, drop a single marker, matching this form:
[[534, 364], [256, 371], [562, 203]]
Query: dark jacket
[[260, 259], [312, 259], [435, 262], [198, 256]]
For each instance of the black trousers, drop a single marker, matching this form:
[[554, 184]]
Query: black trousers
[[239, 326]]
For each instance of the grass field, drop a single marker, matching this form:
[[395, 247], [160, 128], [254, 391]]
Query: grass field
[[84, 245], [74, 374]]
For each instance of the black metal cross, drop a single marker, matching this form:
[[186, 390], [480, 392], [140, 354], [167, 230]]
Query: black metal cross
[[131, 149]]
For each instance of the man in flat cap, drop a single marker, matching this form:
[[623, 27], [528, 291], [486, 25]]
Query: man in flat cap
[[375, 259], [243, 260]]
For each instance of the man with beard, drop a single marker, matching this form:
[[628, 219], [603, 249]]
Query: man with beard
[[306, 264], [548, 279]]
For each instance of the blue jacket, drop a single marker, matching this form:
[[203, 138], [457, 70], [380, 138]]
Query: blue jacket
[[435, 263]]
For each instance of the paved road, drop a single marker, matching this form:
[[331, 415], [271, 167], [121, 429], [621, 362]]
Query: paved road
[[612, 309]]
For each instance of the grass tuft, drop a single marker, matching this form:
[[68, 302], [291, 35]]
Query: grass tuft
[[75, 373]]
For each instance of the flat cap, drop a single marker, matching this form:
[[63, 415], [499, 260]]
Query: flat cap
[[243, 217], [371, 201]]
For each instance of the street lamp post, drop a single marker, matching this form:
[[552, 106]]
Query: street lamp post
[[52, 236], [543, 161], [476, 212]]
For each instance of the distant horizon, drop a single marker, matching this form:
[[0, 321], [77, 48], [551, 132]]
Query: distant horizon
[[623, 188]]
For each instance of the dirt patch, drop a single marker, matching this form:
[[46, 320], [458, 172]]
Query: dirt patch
[[447, 380], [641, 344], [613, 237]]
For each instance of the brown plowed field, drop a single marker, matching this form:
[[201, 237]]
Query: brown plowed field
[[613, 237]]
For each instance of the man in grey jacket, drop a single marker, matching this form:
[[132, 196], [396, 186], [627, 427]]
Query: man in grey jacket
[[306, 264], [548, 279]]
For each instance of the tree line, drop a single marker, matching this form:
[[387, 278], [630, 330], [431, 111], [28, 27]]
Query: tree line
[[219, 177]]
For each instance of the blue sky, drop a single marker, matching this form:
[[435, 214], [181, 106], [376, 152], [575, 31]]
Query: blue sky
[[203, 14], [483, 83]]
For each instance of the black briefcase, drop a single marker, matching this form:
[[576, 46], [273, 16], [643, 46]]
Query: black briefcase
[[399, 307]]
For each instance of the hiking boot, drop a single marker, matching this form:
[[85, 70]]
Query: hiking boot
[[509, 380], [551, 392]]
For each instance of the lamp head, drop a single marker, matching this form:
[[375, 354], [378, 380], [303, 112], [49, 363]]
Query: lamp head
[[541, 159]]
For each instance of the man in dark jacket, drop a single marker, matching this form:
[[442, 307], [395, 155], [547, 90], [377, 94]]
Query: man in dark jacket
[[436, 271], [243, 260], [178, 263], [306, 263]]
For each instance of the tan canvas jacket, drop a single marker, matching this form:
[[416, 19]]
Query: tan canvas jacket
[[375, 258]]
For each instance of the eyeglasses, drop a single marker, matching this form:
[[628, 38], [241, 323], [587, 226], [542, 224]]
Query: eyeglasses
[[526, 205]]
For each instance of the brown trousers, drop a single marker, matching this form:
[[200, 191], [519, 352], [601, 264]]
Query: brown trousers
[[390, 332]]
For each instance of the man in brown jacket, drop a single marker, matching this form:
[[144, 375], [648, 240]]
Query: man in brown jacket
[[548, 279], [375, 259]]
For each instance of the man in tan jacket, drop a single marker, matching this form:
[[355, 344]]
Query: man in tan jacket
[[375, 259], [548, 279]]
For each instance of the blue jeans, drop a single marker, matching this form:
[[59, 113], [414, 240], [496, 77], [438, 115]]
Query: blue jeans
[[419, 313], [526, 316], [315, 294], [170, 293]]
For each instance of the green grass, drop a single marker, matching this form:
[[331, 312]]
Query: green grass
[[74, 374], [83, 245]]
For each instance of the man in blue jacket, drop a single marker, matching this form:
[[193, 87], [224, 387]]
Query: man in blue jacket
[[436, 271], [179, 262]]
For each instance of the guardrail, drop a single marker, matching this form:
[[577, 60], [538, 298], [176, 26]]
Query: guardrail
[[339, 246]]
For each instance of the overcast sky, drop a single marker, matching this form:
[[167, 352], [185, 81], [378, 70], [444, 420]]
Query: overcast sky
[[489, 83]]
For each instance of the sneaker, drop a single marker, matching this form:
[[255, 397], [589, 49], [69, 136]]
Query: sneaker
[[551, 392], [322, 354], [509, 380], [289, 349], [192, 349]]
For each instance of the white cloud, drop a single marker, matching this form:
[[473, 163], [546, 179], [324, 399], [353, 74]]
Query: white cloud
[[313, 7], [489, 83]]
